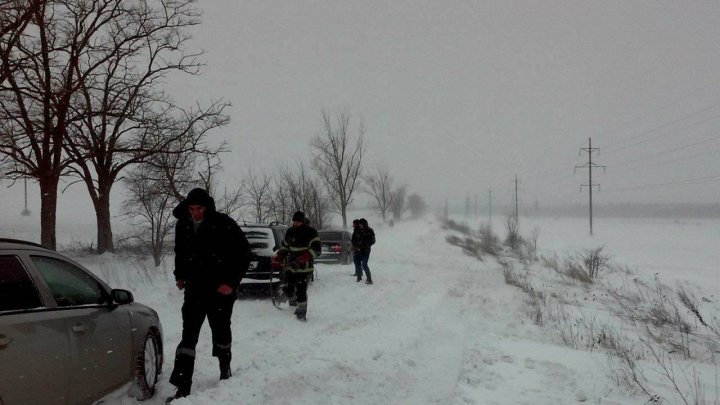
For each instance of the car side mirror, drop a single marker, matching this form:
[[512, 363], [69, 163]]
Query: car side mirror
[[121, 296]]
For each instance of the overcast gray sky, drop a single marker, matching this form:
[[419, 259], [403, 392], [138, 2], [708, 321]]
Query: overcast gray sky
[[459, 96]]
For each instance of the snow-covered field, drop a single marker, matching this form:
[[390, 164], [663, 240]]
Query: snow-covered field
[[437, 327]]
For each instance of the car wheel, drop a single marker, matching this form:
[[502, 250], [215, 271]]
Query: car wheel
[[148, 367]]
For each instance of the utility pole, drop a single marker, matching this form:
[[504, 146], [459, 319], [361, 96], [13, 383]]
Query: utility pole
[[26, 211], [517, 218], [490, 207], [476, 206], [590, 184]]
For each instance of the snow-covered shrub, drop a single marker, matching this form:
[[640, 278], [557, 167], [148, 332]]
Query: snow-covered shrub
[[512, 232], [594, 261], [471, 247], [489, 241], [456, 226]]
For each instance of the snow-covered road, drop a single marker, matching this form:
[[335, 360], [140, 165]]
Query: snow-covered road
[[437, 327]]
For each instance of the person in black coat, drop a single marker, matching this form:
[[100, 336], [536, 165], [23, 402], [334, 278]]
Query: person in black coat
[[363, 238], [211, 257]]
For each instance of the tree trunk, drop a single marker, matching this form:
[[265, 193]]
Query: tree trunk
[[48, 211], [104, 227], [343, 212]]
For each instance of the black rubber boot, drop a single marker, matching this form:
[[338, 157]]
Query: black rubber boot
[[225, 371], [301, 311], [180, 393]]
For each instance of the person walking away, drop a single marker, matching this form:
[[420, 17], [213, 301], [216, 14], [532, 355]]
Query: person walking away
[[298, 251], [362, 240], [211, 257]]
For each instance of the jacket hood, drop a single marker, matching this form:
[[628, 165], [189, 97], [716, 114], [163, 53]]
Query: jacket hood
[[196, 196]]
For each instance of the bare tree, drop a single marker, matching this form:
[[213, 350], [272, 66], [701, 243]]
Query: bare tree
[[338, 160], [156, 186], [149, 205], [78, 92], [39, 85], [111, 153], [15, 16], [259, 192], [305, 195], [279, 203], [398, 203], [379, 186], [120, 117], [416, 205], [231, 202]]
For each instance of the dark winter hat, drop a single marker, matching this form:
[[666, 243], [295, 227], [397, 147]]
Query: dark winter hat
[[298, 216], [199, 196], [363, 221]]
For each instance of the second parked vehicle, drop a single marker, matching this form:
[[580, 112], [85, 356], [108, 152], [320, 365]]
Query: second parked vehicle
[[336, 247]]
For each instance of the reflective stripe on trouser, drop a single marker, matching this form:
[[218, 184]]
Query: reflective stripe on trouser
[[218, 309]]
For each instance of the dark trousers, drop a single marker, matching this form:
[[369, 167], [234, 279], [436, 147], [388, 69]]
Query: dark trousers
[[361, 257], [297, 285], [218, 310]]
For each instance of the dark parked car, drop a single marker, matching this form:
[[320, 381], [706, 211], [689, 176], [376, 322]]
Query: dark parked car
[[264, 240], [336, 247], [65, 336]]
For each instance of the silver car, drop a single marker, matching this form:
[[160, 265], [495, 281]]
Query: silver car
[[65, 336]]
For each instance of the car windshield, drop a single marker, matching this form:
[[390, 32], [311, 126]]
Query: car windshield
[[330, 235], [261, 240]]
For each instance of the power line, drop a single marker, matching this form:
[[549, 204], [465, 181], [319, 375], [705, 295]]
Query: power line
[[662, 107], [667, 133], [697, 180], [716, 151], [667, 151]]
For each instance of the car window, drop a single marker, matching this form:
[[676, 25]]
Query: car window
[[261, 239], [69, 284], [330, 236], [17, 290], [279, 235]]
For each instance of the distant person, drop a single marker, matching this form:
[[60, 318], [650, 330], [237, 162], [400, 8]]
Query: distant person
[[392, 223], [211, 257], [363, 238], [297, 253]]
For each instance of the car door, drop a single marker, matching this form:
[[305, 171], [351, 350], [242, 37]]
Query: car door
[[34, 341], [100, 333]]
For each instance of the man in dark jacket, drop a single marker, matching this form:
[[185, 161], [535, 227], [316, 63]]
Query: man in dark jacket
[[298, 251], [363, 238], [211, 257]]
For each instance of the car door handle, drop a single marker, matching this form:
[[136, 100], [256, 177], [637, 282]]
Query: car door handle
[[4, 341], [79, 328]]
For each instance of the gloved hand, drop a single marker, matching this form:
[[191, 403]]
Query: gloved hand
[[277, 261], [302, 259]]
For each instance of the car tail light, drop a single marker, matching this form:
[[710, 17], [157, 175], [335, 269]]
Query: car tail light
[[336, 248]]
